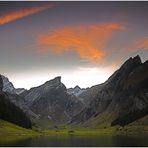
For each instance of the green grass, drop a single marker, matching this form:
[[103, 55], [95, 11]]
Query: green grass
[[101, 126], [134, 128], [7, 128], [81, 131], [101, 121], [100, 130], [95, 131]]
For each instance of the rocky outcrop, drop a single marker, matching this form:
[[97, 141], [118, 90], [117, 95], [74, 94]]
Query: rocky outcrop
[[51, 101], [123, 94], [89, 94], [8, 86], [10, 112], [19, 90], [8, 89], [75, 91]]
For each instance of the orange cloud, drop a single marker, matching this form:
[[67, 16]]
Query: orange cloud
[[88, 41], [15, 15], [145, 43]]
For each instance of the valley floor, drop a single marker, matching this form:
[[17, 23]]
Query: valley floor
[[9, 129]]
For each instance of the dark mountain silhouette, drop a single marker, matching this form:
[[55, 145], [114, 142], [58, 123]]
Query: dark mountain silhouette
[[124, 95], [10, 112]]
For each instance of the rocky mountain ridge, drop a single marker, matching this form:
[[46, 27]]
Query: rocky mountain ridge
[[123, 95], [9, 87], [51, 101]]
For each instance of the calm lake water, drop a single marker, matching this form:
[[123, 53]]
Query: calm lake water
[[74, 141]]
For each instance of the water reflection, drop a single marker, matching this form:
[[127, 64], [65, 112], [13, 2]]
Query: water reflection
[[96, 141]]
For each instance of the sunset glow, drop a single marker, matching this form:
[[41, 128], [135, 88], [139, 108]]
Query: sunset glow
[[83, 42], [88, 41]]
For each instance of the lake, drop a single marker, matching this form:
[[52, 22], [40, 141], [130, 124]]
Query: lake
[[76, 141]]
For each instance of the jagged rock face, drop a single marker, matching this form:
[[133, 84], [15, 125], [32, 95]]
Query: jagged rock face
[[89, 94], [8, 86], [51, 101], [35, 93], [75, 91], [10, 108], [85, 95], [125, 92], [10, 91], [19, 90]]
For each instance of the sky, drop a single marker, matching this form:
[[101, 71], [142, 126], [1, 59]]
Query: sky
[[83, 42]]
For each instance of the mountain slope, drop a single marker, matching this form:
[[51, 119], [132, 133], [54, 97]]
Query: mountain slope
[[10, 112], [123, 97], [19, 90], [52, 102], [7, 128]]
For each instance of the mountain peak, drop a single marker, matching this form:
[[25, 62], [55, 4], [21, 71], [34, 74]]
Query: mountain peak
[[77, 87], [123, 72], [57, 79], [7, 85], [137, 59]]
